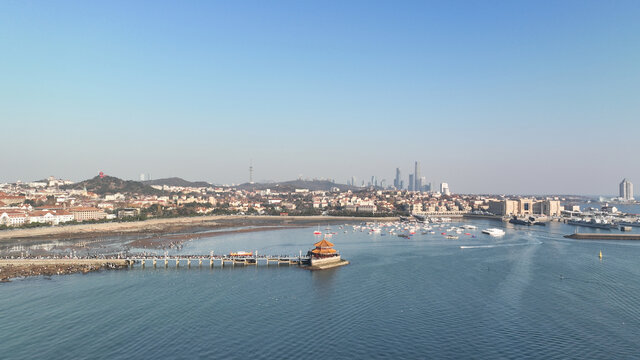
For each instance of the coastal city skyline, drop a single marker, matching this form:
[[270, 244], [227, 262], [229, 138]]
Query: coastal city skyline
[[489, 99], [319, 179], [412, 183]]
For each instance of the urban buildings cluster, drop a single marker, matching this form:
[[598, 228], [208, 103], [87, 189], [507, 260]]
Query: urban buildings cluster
[[49, 202], [415, 182]]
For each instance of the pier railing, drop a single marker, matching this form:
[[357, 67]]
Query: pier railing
[[215, 261]]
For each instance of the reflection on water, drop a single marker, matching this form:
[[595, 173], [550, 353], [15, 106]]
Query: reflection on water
[[323, 282]]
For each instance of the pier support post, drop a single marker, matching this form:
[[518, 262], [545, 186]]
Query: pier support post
[[211, 263], [142, 263], [200, 262], [166, 262], [155, 261], [177, 262], [188, 262]]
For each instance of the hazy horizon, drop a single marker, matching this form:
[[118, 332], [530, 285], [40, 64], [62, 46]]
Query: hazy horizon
[[535, 97]]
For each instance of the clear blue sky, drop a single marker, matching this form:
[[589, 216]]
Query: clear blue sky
[[490, 96]]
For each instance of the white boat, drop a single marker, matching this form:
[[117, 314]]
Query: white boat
[[470, 227], [493, 232]]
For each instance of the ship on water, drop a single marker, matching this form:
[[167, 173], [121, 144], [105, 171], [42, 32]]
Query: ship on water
[[594, 223], [629, 223]]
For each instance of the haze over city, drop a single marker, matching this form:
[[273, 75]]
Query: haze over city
[[534, 98]]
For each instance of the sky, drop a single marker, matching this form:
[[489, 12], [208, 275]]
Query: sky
[[515, 97]]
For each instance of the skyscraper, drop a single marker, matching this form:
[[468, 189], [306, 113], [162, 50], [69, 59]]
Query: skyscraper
[[397, 183], [417, 186], [444, 189], [626, 190], [411, 182]]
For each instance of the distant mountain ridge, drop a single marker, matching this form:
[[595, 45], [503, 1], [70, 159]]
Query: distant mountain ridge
[[112, 185], [312, 185], [176, 181]]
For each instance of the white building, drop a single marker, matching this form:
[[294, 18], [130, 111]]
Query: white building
[[54, 217], [444, 189], [626, 190], [12, 217]]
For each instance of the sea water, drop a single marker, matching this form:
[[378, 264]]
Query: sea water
[[529, 294]]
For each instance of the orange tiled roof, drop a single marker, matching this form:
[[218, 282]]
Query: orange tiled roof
[[76, 209], [323, 251], [323, 244]]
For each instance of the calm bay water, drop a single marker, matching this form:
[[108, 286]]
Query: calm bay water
[[530, 294]]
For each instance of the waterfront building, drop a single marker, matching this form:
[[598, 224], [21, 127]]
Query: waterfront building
[[13, 217], [87, 213], [323, 253], [626, 190], [525, 207], [53, 217]]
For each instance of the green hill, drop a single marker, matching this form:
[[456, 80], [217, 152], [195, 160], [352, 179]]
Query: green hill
[[112, 185], [176, 181]]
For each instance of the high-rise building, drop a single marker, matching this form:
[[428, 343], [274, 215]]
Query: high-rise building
[[397, 182], [626, 190], [444, 189], [411, 182], [417, 186], [142, 177]]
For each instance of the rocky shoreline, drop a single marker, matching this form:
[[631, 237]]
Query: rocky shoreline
[[12, 269]]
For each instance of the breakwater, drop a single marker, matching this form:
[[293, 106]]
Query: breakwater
[[16, 268], [595, 236]]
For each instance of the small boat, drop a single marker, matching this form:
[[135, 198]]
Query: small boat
[[453, 237], [493, 232]]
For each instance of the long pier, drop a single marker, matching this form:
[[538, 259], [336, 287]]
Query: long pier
[[188, 261]]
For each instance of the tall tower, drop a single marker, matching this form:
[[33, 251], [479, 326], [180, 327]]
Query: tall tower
[[411, 182], [250, 171], [416, 178], [397, 181]]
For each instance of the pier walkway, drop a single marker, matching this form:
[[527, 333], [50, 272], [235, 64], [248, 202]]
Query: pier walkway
[[218, 261]]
